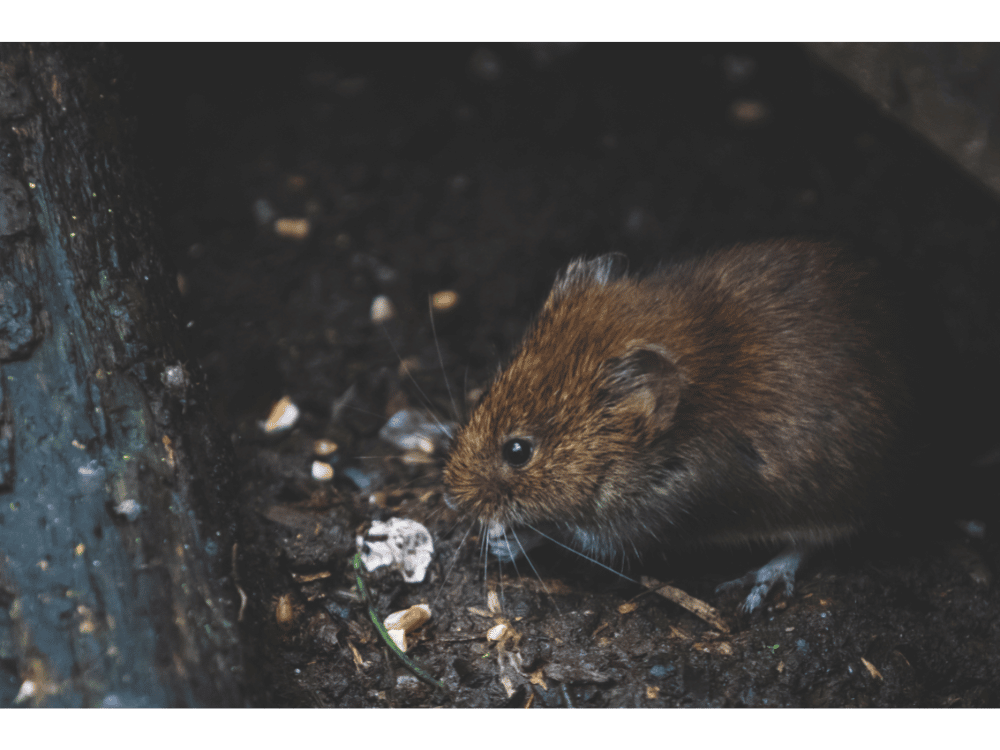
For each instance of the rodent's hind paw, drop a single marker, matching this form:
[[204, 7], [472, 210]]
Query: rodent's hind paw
[[781, 569]]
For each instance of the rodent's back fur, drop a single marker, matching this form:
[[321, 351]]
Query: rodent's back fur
[[747, 396]]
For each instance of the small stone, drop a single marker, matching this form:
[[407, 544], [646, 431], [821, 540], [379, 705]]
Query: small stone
[[322, 471], [382, 309]]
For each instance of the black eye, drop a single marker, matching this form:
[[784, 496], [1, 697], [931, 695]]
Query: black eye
[[517, 451]]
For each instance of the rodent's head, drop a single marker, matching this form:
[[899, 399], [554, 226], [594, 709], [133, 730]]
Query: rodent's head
[[562, 433]]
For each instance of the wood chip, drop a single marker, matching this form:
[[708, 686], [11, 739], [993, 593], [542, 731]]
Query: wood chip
[[408, 620], [359, 663], [293, 228], [871, 669], [307, 577], [444, 300], [697, 607], [283, 415], [538, 678], [716, 648], [324, 447]]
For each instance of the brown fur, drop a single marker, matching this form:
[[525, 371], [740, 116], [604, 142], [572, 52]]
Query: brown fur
[[747, 396]]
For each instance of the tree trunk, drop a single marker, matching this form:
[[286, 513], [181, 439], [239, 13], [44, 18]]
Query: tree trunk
[[116, 498]]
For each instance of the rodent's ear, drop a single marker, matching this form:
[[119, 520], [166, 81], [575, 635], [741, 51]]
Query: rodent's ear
[[645, 383], [597, 272]]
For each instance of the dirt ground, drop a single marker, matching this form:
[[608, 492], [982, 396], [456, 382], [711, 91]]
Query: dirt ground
[[482, 170]]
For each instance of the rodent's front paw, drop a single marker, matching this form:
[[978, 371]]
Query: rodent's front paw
[[781, 569]]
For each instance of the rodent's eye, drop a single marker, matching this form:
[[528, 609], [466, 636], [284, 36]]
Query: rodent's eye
[[517, 451]]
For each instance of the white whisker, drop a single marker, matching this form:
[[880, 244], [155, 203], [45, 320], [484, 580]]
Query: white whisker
[[454, 559], [540, 581], [427, 401], [437, 345], [578, 552]]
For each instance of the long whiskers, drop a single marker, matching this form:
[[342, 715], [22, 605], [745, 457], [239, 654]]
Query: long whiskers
[[585, 557], [534, 570], [454, 559], [437, 345], [427, 401]]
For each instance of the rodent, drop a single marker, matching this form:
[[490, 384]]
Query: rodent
[[748, 396]]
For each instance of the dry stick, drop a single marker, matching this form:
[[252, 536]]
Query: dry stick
[[697, 607]]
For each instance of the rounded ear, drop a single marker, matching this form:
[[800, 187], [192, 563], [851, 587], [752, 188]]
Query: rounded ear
[[645, 383]]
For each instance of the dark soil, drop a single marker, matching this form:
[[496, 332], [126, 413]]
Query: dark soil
[[483, 171]]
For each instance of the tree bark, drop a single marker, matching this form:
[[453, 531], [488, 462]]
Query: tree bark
[[116, 523]]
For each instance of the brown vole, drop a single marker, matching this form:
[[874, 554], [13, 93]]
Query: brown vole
[[748, 396]]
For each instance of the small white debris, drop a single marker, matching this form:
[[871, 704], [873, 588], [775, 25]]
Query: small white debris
[[407, 547], [398, 637], [28, 689], [283, 415], [508, 685], [496, 632], [444, 300], [322, 471], [382, 309], [296, 229], [174, 376], [128, 508], [412, 430]]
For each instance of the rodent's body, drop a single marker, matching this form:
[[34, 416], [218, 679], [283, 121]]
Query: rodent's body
[[749, 396]]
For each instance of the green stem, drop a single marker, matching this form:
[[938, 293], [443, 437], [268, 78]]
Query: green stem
[[377, 622]]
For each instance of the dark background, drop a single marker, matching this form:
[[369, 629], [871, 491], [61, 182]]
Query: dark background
[[484, 169]]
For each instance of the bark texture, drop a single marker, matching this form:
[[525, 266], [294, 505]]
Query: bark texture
[[115, 488]]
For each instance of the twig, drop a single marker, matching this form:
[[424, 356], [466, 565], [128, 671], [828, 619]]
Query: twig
[[697, 607]]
